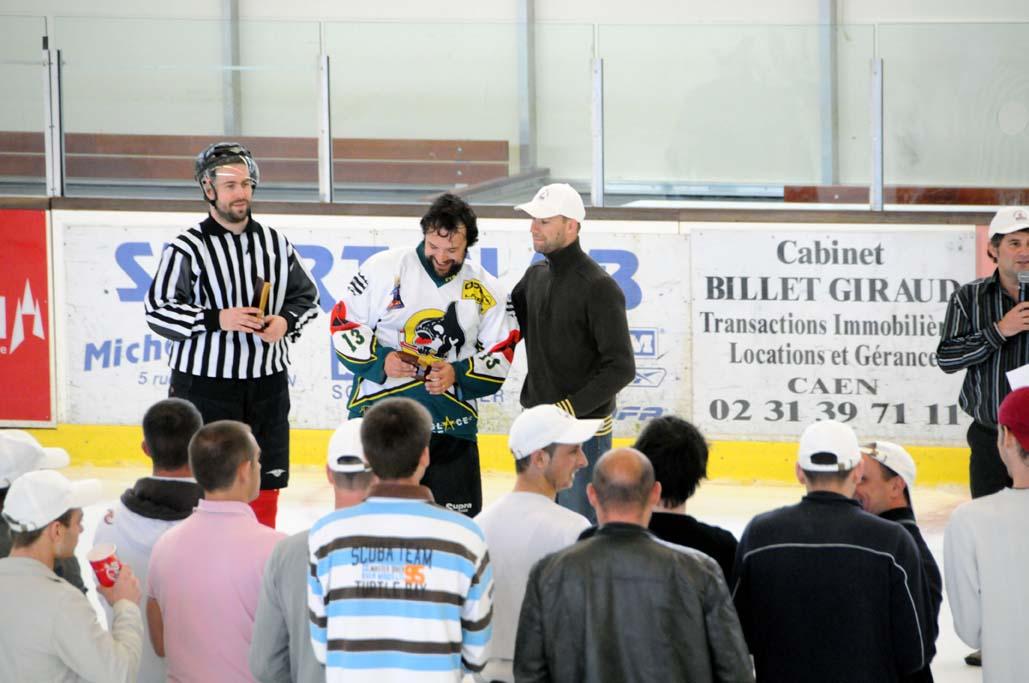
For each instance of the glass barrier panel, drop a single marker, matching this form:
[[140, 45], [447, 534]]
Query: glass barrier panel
[[956, 111], [139, 109], [422, 108], [22, 151], [730, 111], [564, 91]]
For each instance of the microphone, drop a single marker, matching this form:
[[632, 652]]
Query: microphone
[[1023, 286]]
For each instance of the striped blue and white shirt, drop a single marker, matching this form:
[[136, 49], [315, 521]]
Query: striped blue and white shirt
[[400, 589]]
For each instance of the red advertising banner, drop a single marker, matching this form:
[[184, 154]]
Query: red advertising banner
[[26, 368]]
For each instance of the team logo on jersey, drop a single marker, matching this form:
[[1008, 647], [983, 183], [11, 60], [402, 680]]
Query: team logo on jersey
[[434, 332], [473, 289], [397, 302]]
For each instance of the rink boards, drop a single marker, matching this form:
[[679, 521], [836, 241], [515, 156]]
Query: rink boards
[[751, 330]]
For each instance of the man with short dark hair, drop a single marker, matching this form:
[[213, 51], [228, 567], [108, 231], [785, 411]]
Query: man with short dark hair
[[526, 524], [678, 453], [400, 588], [885, 490], [984, 334], [430, 324], [50, 631], [205, 574], [625, 606], [156, 503], [571, 314], [824, 590], [280, 651], [986, 557], [230, 342]]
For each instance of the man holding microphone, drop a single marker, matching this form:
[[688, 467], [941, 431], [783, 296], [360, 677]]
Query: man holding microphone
[[984, 334]]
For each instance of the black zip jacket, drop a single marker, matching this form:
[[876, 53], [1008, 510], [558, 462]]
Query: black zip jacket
[[572, 318], [828, 592], [932, 585]]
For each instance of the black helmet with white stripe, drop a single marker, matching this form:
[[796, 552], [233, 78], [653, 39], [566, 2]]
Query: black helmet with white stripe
[[221, 154]]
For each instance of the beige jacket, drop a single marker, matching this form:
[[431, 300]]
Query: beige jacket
[[50, 632]]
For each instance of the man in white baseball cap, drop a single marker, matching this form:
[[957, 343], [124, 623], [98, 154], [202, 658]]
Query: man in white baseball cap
[[58, 635], [20, 453], [885, 490], [807, 573], [281, 646], [526, 524], [984, 335], [571, 315]]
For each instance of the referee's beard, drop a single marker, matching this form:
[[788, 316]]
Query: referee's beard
[[232, 214]]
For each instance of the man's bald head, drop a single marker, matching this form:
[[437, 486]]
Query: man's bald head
[[623, 479]]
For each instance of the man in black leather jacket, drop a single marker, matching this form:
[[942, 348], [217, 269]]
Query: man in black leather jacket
[[623, 606]]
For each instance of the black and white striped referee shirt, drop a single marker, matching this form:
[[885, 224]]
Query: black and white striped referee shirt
[[208, 268], [971, 340]]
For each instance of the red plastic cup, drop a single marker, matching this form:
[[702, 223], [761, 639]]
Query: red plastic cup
[[105, 564]]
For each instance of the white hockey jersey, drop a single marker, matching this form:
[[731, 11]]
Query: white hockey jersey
[[396, 299]]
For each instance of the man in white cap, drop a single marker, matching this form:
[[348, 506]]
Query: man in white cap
[[571, 314], [155, 504], [51, 631], [984, 334], [885, 490], [281, 646], [526, 524], [824, 590], [21, 453]]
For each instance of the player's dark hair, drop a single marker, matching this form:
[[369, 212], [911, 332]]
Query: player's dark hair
[[217, 450], [678, 452], [448, 214], [394, 433], [168, 425]]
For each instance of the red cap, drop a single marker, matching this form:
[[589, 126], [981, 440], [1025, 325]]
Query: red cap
[[1014, 414]]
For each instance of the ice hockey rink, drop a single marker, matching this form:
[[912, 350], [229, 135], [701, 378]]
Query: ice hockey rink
[[725, 504]]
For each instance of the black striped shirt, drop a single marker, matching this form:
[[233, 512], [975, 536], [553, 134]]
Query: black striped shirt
[[208, 268], [971, 340]]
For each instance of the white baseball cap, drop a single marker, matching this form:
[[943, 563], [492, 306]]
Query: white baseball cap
[[546, 424], [835, 444], [38, 498], [20, 453], [893, 457], [346, 454], [557, 199], [1009, 219]]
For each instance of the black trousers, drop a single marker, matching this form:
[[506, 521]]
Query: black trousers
[[453, 474], [262, 403], [986, 471]]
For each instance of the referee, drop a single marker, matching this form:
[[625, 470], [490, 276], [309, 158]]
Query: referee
[[229, 358]]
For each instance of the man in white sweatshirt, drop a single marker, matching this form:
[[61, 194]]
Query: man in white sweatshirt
[[156, 503], [986, 557]]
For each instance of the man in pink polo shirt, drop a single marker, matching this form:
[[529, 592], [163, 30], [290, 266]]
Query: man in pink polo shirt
[[205, 574]]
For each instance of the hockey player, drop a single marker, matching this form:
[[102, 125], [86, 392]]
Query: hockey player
[[431, 325]]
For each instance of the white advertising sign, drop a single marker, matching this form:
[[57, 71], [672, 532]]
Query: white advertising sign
[[112, 366], [793, 324]]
